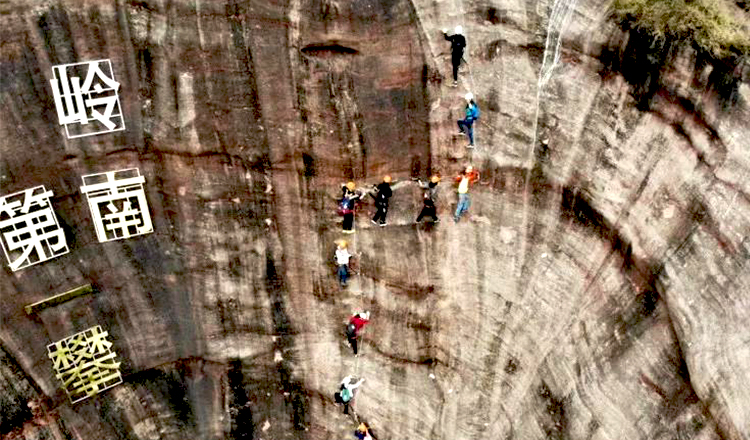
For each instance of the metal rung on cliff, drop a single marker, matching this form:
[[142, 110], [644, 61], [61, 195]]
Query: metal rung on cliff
[[58, 299]]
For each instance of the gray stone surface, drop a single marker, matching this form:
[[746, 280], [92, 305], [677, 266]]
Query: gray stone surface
[[597, 289]]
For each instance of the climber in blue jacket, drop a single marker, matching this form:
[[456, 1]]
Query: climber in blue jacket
[[465, 126]]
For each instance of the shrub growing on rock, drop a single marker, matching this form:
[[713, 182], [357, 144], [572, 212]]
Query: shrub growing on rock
[[718, 27]]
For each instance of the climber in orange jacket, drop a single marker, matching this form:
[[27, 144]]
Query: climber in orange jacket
[[363, 432], [464, 180]]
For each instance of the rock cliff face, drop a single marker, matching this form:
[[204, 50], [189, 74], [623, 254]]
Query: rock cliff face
[[596, 292]]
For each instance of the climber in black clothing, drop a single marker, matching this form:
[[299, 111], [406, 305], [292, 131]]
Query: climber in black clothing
[[428, 198], [458, 43], [347, 205], [381, 201]]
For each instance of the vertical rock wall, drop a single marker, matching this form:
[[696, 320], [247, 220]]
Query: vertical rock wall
[[596, 292]]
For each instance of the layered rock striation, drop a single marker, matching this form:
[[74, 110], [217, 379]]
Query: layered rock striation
[[595, 292]]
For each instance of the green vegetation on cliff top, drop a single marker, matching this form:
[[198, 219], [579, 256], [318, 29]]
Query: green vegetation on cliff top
[[716, 26]]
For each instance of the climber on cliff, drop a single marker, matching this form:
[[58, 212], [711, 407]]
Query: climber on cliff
[[464, 180], [466, 125], [345, 394], [342, 261], [458, 43], [428, 199], [356, 323], [347, 205], [382, 197], [363, 432]]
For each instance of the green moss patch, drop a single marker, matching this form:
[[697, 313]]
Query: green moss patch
[[718, 27]]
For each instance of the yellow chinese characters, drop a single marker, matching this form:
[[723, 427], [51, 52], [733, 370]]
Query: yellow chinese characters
[[85, 364]]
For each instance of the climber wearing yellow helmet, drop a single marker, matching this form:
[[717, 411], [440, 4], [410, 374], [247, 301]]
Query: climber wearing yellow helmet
[[382, 197], [347, 205], [428, 199]]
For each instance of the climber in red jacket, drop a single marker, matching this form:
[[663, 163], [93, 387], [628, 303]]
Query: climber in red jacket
[[356, 323]]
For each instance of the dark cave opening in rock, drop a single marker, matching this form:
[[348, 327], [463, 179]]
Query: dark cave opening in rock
[[328, 49]]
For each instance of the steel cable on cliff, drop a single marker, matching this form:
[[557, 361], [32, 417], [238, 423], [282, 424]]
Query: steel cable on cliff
[[557, 21], [471, 87], [358, 273], [462, 14], [430, 44]]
